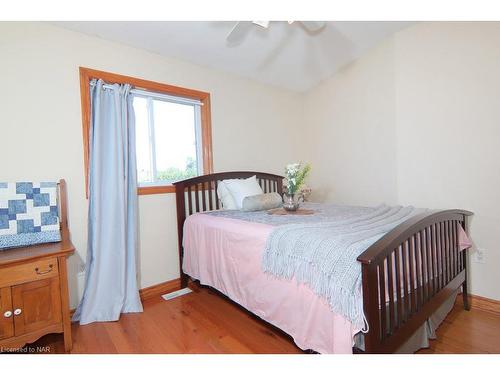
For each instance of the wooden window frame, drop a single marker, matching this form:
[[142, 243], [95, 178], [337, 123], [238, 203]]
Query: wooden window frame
[[86, 75]]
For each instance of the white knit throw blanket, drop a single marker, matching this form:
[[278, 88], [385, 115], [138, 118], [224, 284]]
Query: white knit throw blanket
[[323, 255]]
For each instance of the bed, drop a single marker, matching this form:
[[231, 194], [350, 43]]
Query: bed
[[422, 258]]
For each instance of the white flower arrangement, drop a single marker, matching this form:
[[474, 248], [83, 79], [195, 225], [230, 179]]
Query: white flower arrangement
[[295, 175]]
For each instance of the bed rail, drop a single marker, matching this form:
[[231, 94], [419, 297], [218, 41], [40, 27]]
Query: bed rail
[[199, 194], [409, 273]]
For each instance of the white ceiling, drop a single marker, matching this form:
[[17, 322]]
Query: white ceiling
[[283, 55]]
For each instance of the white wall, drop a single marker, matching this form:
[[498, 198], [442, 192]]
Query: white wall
[[416, 121], [448, 123], [350, 129], [41, 132]]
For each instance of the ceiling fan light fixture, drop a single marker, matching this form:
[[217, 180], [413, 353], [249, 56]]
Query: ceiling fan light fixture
[[314, 26], [242, 28]]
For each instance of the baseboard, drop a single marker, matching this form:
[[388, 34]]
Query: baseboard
[[159, 289], [485, 304], [477, 302], [153, 291]]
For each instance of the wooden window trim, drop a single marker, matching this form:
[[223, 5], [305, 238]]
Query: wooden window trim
[[86, 75]]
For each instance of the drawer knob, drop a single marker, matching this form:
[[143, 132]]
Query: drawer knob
[[37, 270], [7, 314], [18, 311]]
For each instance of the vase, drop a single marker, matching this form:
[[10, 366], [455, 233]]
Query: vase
[[291, 202]]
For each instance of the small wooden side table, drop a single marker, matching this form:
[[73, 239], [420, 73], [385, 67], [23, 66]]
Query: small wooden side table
[[34, 299]]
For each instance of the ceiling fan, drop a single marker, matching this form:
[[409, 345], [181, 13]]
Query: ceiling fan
[[242, 28]]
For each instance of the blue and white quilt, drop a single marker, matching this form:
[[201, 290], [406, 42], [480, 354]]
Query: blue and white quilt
[[28, 213]]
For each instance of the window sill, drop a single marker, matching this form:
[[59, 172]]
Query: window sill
[[147, 190]]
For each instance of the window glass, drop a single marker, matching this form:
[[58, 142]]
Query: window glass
[[167, 141]]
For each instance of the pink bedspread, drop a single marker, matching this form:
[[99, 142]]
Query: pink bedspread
[[226, 254]]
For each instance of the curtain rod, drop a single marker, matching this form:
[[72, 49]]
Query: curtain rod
[[157, 95]]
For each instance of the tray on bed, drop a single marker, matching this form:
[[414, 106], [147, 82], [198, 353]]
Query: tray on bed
[[282, 211]]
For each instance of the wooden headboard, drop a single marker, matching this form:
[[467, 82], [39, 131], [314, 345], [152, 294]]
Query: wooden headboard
[[199, 194]]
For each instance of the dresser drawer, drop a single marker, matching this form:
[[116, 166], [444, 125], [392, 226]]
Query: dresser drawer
[[36, 270]]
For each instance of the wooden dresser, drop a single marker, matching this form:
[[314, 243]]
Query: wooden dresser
[[34, 298]]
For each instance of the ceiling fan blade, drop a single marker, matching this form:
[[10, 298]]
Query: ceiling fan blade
[[264, 24], [313, 26], [238, 33]]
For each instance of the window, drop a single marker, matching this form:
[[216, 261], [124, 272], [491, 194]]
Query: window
[[168, 140], [173, 133]]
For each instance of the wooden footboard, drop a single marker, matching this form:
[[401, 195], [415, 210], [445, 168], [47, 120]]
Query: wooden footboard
[[409, 273]]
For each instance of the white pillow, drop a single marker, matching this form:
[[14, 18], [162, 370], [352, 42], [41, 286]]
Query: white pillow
[[240, 189], [225, 197]]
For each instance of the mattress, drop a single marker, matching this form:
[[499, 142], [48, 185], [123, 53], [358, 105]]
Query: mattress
[[226, 255]]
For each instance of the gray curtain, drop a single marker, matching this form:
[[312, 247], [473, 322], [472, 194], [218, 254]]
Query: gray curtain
[[111, 278]]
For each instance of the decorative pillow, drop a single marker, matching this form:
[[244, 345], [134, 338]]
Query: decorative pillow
[[28, 213], [261, 202], [225, 197], [240, 189]]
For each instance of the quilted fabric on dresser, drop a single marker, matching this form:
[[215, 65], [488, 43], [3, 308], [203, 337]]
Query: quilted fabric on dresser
[[28, 213]]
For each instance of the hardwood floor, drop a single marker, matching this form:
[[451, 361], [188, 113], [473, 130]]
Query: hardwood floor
[[206, 322], [475, 331]]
